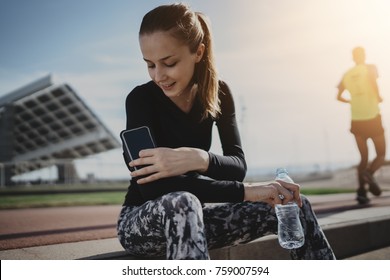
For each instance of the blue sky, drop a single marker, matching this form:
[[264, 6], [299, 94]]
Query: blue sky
[[281, 58]]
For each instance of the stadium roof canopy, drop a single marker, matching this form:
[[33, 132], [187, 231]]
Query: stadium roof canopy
[[44, 121]]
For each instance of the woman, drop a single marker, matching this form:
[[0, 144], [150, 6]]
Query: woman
[[366, 121], [164, 212]]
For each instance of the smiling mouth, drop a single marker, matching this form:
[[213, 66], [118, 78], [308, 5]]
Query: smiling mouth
[[167, 86]]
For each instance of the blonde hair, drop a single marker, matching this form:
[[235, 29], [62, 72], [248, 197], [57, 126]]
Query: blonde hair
[[192, 28]]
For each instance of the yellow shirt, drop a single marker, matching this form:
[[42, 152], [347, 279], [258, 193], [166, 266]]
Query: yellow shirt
[[358, 81]]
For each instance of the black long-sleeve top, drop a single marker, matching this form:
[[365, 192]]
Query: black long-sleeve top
[[147, 105]]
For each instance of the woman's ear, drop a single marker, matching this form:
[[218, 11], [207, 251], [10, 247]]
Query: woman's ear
[[200, 52]]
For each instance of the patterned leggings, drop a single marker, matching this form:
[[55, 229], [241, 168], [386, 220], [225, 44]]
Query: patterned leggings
[[178, 227]]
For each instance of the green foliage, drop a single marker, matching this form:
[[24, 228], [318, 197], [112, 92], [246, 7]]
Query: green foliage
[[60, 199], [318, 191]]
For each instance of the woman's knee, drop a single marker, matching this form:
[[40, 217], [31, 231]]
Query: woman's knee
[[306, 205], [304, 199], [182, 200]]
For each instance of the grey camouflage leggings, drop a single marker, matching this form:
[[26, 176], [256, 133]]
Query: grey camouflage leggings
[[178, 227]]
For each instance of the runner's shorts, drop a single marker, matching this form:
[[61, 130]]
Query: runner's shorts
[[368, 128]]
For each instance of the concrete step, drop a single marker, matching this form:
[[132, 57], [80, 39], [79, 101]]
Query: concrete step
[[379, 254]]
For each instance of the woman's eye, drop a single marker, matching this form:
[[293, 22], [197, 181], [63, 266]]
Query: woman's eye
[[171, 65], [151, 66]]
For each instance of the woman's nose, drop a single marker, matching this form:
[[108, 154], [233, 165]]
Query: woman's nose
[[159, 74]]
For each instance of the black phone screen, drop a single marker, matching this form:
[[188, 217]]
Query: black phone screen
[[135, 140]]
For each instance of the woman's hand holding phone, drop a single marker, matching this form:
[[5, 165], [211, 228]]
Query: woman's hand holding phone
[[166, 162]]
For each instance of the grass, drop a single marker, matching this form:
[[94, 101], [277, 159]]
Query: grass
[[55, 200], [319, 191], [66, 187], [94, 196], [107, 193]]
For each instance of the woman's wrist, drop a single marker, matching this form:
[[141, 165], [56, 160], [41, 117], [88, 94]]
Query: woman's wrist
[[198, 159], [251, 192], [204, 160]]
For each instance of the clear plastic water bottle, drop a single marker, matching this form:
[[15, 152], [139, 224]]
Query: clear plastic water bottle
[[290, 231]]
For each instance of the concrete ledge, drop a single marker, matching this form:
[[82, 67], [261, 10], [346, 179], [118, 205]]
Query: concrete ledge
[[358, 237], [263, 248], [347, 239]]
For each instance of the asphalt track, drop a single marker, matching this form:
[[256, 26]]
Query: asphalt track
[[20, 228]]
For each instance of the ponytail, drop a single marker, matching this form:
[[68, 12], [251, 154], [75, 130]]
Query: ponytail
[[206, 73]]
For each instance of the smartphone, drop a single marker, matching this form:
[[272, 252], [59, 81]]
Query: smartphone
[[135, 140]]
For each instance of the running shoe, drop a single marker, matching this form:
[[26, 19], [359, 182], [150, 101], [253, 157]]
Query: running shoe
[[373, 185], [362, 197]]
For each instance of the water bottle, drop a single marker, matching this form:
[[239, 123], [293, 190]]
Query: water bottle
[[290, 231]]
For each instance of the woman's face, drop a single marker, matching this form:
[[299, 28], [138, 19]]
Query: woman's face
[[170, 63]]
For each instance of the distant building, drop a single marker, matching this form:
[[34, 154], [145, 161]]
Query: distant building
[[44, 124]]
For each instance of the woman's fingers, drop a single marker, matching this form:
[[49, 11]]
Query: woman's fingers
[[145, 158], [272, 192], [289, 192]]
